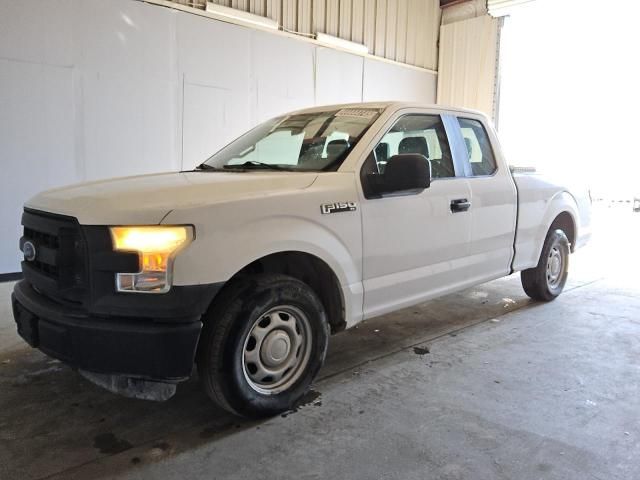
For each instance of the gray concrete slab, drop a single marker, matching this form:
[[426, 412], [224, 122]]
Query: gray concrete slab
[[532, 396], [508, 389]]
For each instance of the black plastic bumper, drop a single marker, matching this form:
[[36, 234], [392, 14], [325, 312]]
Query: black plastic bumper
[[134, 347]]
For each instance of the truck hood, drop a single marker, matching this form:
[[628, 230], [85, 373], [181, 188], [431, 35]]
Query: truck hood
[[147, 199]]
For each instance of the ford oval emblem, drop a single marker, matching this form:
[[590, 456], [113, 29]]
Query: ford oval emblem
[[29, 250]]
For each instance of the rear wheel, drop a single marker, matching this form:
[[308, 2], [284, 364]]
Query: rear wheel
[[262, 345], [546, 281]]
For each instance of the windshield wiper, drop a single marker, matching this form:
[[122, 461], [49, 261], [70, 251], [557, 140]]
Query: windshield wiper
[[257, 165], [204, 166]]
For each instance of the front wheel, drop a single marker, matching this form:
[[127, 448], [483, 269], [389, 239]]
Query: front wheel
[[262, 345], [546, 281]]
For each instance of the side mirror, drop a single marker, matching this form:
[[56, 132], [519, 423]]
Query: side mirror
[[407, 171]]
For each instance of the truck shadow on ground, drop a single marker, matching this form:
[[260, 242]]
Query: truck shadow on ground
[[54, 422], [52, 419]]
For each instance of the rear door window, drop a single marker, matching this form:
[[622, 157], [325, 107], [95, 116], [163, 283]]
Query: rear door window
[[479, 152]]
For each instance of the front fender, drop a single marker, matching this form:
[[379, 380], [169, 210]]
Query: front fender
[[241, 246], [223, 248]]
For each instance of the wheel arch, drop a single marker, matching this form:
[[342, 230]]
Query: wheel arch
[[566, 222], [562, 213], [309, 269]]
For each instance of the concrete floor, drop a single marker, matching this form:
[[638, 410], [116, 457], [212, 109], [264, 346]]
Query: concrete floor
[[481, 384]]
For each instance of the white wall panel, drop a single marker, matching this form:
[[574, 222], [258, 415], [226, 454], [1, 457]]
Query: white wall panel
[[128, 126], [212, 117], [92, 89], [284, 81], [216, 83], [39, 32], [384, 81], [338, 77], [201, 60], [122, 36], [125, 64], [36, 142]]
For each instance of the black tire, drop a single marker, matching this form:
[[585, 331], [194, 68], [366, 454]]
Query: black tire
[[229, 328], [537, 282]]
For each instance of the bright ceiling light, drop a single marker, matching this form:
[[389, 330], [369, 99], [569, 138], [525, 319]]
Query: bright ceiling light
[[238, 16], [336, 42]]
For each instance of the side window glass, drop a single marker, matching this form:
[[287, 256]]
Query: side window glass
[[415, 133], [479, 151]]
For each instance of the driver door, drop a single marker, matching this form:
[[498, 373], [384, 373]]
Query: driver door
[[415, 244]]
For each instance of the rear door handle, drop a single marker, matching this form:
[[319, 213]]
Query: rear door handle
[[460, 205]]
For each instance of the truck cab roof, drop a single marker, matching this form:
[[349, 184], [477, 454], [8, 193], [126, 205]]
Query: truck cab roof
[[391, 106]]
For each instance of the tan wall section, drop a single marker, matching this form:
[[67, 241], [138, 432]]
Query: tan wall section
[[464, 11], [467, 66], [402, 30]]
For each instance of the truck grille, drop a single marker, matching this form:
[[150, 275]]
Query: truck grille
[[47, 241], [58, 269]]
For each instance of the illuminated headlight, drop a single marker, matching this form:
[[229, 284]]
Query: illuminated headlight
[[156, 247]]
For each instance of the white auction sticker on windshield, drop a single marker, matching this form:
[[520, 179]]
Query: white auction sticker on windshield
[[357, 112]]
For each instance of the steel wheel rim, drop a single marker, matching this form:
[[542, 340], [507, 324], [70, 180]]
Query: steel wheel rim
[[555, 267], [276, 350]]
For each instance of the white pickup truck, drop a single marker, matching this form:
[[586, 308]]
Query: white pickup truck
[[306, 225]]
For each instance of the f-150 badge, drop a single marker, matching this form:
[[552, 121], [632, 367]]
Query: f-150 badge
[[338, 207]]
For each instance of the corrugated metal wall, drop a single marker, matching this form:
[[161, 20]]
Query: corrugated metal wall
[[402, 30], [468, 56]]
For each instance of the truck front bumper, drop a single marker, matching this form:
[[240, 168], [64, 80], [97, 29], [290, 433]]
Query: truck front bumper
[[116, 345]]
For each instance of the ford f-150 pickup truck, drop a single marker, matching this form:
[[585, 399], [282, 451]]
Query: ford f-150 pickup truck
[[304, 226]]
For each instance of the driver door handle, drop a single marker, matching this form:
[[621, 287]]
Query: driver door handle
[[460, 205]]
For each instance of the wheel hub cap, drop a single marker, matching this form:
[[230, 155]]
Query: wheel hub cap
[[277, 349], [555, 267]]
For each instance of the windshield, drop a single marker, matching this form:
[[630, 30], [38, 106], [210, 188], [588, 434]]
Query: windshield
[[301, 142]]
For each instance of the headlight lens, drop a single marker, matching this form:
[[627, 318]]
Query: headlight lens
[[157, 247]]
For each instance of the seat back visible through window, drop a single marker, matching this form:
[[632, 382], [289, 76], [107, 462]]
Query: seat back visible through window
[[414, 145], [335, 148], [421, 134]]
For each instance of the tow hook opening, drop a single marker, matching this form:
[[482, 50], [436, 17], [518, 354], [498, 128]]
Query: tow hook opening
[[132, 387]]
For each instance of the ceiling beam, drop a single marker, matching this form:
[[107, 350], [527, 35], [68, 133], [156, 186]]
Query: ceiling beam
[[450, 3]]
